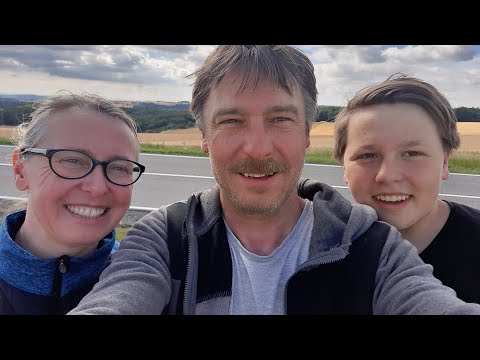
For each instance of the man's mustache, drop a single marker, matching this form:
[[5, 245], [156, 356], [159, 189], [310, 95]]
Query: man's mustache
[[252, 166]]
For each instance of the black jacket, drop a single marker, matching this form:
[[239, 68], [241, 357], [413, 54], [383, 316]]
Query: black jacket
[[344, 286]]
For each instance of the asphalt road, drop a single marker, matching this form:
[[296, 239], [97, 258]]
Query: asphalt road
[[170, 178]]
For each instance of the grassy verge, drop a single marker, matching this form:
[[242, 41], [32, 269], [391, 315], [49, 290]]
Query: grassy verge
[[461, 162], [465, 162], [172, 149], [121, 231], [5, 141], [320, 156]]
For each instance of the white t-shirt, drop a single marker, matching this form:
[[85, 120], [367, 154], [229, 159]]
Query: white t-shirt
[[258, 286]]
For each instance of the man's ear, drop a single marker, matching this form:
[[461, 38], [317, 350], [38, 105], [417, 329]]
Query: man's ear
[[307, 138], [204, 144], [18, 171]]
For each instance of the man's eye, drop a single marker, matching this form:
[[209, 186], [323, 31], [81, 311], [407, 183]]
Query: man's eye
[[367, 156], [229, 121]]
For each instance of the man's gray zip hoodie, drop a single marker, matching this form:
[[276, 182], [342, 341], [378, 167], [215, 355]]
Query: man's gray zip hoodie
[[138, 279]]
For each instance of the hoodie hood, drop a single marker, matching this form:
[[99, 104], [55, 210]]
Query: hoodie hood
[[337, 222]]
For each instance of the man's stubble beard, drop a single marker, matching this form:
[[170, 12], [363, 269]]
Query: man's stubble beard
[[258, 209]]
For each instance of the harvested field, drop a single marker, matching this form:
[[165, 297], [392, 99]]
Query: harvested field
[[321, 136], [6, 131], [186, 137]]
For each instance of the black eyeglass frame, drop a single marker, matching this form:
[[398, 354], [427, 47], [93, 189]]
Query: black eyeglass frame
[[50, 152]]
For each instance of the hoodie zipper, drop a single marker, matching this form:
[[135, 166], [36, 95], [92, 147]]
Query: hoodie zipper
[[187, 277], [334, 255], [190, 291], [60, 268]]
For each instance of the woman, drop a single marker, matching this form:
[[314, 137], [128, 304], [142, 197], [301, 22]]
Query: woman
[[394, 140], [52, 253]]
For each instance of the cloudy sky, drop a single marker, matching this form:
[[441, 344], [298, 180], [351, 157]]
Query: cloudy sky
[[157, 72]]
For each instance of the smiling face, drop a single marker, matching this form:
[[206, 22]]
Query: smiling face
[[394, 161], [256, 140], [72, 216]]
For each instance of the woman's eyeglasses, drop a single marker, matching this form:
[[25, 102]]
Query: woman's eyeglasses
[[74, 164]]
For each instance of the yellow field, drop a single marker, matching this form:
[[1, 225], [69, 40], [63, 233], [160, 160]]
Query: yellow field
[[5, 131], [321, 136]]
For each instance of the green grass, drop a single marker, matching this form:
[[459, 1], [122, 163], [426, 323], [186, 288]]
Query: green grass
[[320, 156], [5, 141], [172, 149], [465, 162], [121, 230], [462, 162]]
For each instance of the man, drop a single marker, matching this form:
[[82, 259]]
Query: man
[[253, 244]]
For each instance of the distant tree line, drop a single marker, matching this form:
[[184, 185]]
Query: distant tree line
[[14, 112], [467, 114], [157, 118], [464, 114]]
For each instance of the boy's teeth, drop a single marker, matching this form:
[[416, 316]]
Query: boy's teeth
[[392, 198]]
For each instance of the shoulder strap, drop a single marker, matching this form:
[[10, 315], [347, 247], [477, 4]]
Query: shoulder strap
[[365, 265], [378, 231], [178, 251], [176, 240]]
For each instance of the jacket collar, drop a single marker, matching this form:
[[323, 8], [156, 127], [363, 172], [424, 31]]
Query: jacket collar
[[25, 271], [209, 210], [337, 223]]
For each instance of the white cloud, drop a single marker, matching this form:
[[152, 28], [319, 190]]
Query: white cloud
[[158, 72], [431, 53]]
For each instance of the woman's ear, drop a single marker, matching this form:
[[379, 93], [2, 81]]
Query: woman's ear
[[18, 170]]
